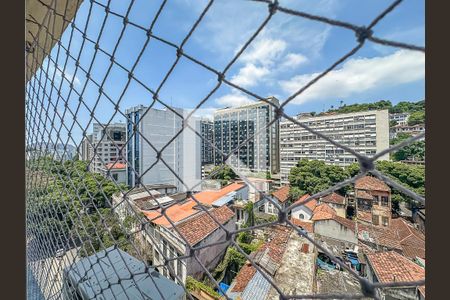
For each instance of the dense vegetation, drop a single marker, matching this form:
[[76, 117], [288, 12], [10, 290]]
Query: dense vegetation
[[225, 174], [312, 176], [72, 206], [415, 151], [401, 107]]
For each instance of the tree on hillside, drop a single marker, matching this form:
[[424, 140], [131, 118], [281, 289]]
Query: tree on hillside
[[414, 151], [417, 117]]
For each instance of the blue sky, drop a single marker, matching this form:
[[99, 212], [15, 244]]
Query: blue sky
[[286, 55]]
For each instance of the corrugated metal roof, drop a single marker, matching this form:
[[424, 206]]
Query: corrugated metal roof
[[224, 200], [257, 288], [107, 274]]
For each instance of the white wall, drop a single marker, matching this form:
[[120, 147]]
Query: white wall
[[335, 230], [297, 211]]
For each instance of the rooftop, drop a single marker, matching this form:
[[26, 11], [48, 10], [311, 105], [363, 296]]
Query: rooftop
[[98, 276], [115, 166], [269, 256], [333, 198], [199, 227], [185, 209], [392, 267], [411, 240], [282, 193], [306, 225], [371, 183], [311, 204], [323, 211]]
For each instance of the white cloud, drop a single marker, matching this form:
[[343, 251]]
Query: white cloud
[[67, 75], [293, 60], [360, 75], [249, 75], [264, 51], [234, 99]]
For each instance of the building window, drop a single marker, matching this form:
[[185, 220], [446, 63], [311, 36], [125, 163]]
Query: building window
[[301, 216], [385, 221], [375, 220], [384, 200], [115, 177], [376, 200]]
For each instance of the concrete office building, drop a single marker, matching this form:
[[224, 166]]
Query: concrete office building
[[87, 151], [109, 143], [207, 133], [182, 155], [366, 132], [234, 125]]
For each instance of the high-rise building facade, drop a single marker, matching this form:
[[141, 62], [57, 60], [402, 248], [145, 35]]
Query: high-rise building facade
[[232, 126], [154, 130], [107, 145], [207, 133], [365, 132], [87, 151]]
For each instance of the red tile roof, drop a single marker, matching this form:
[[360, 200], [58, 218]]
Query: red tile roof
[[324, 208], [411, 239], [333, 198], [117, 165], [308, 226], [392, 267], [199, 227], [364, 216], [379, 235], [181, 211], [278, 242], [243, 277], [371, 183], [282, 193], [311, 204], [328, 216]]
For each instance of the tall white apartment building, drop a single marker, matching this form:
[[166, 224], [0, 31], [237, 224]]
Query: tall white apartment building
[[87, 151], [366, 132], [157, 127], [109, 142], [232, 126]]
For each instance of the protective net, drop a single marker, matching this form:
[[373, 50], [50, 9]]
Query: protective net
[[86, 237]]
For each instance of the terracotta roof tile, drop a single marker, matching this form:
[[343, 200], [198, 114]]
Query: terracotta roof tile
[[371, 183], [391, 267], [364, 216], [411, 239], [308, 226], [282, 193], [333, 198], [181, 211], [278, 242], [324, 208], [328, 216], [199, 227], [378, 235], [117, 165], [243, 277], [311, 204]]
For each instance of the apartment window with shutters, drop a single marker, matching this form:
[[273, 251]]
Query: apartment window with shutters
[[385, 201], [375, 219], [385, 221]]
